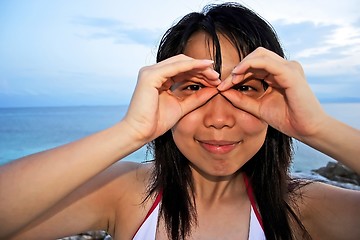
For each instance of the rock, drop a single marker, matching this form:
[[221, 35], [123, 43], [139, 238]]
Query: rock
[[92, 235], [338, 172]]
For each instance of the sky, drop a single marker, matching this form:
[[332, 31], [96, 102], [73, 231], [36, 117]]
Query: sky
[[88, 52]]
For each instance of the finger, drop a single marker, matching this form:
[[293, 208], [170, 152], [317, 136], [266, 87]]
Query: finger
[[259, 54], [189, 77], [181, 63], [163, 73], [210, 75], [208, 71], [207, 75], [197, 99], [261, 64], [167, 84], [176, 58], [234, 79], [243, 102]]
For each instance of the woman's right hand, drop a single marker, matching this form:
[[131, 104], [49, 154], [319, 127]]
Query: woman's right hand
[[154, 109]]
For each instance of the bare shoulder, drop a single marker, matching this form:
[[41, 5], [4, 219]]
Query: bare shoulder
[[314, 193], [329, 212], [123, 179], [124, 192], [100, 203]]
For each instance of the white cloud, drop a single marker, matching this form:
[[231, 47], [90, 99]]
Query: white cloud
[[316, 11], [42, 40], [337, 54], [343, 17]]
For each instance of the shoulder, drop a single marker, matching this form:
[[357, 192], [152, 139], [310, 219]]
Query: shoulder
[[316, 194], [125, 192], [125, 178], [117, 185], [329, 212]]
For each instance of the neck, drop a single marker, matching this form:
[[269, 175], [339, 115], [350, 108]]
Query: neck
[[213, 189]]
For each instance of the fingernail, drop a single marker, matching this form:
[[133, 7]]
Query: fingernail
[[208, 61], [236, 69], [220, 87]]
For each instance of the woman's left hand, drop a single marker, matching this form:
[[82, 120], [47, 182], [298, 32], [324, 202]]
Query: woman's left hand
[[287, 105]]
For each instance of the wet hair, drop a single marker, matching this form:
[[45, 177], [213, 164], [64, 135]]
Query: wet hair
[[267, 170]]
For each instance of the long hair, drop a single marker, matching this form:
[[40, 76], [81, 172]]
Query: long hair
[[267, 169]]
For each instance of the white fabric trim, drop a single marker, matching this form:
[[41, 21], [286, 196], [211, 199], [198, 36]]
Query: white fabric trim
[[255, 230], [147, 230]]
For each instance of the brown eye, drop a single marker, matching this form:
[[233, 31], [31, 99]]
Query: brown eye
[[193, 87], [244, 88], [253, 88], [186, 88]]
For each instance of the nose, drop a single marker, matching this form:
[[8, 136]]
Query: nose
[[219, 113]]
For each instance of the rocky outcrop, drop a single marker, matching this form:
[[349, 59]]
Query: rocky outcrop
[[93, 235], [338, 172]]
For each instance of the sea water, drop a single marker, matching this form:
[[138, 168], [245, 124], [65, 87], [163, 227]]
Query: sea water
[[24, 131]]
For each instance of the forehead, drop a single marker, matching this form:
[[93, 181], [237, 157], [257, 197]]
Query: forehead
[[200, 46]]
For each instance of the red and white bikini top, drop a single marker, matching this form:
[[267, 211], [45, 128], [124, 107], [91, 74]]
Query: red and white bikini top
[[147, 230]]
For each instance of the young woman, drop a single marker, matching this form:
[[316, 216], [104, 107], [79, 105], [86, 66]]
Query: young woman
[[219, 108]]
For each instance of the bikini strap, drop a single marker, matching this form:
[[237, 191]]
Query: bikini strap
[[156, 202], [250, 193], [154, 205]]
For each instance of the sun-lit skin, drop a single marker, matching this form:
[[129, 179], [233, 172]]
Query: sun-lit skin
[[217, 138]]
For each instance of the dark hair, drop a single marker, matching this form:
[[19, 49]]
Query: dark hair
[[172, 174]]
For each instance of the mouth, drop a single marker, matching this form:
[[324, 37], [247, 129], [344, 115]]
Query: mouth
[[218, 147]]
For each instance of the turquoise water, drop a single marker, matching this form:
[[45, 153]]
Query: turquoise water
[[306, 158], [25, 131]]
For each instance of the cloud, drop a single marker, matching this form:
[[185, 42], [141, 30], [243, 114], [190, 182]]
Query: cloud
[[323, 49], [299, 36], [317, 11], [120, 32], [88, 51]]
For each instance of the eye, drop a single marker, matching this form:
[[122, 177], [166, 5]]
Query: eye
[[193, 87], [186, 88], [244, 88], [254, 88]]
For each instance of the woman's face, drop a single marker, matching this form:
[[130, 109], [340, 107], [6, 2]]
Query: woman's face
[[217, 138]]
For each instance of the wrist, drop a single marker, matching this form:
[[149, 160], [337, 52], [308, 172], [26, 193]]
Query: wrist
[[318, 131], [130, 134], [337, 140]]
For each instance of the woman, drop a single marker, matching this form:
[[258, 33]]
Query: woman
[[219, 107]]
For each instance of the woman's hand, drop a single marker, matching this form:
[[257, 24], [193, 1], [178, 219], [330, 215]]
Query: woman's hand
[[154, 109], [288, 103]]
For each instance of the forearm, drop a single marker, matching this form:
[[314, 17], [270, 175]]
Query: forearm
[[31, 185], [338, 141]]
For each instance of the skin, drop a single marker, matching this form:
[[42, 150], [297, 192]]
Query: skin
[[83, 186], [218, 138]]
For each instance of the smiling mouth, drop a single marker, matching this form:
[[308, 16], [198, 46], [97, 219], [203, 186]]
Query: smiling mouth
[[218, 147]]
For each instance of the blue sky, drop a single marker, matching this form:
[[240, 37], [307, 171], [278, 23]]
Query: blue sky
[[87, 52]]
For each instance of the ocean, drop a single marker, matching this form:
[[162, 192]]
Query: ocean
[[24, 131]]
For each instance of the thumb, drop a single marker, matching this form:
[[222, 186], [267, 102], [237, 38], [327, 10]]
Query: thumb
[[197, 99], [243, 102]]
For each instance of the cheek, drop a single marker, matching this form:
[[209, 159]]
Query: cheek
[[255, 131], [186, 126], [183, 138], [250, 124]]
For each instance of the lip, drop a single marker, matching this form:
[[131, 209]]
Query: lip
[[218, 147]]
